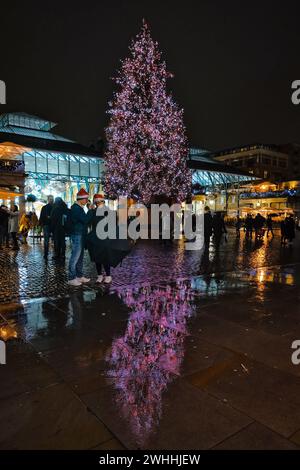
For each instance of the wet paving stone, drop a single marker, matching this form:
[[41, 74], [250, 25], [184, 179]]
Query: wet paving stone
[[257, 437], [26, 275], [68, 425], [26, 373], [268, 395], [200, 345], [187, 412]]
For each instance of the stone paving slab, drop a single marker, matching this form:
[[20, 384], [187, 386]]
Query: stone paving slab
[[52, 418], [256, 437], [273, 350], [192, 419], [26, 373], [269, 396]]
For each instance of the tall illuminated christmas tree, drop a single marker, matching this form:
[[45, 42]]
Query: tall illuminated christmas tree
[[146, 142]]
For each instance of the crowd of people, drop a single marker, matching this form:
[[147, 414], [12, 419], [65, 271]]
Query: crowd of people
[[254, 227], [259, 226], [214, 225], [9, 226], [15, 228], [57, 221]]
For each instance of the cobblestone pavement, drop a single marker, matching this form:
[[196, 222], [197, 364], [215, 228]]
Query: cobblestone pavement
[[178, 353], [25, 274]]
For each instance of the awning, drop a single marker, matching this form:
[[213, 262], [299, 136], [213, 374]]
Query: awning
[[8, 194], [12, 151]]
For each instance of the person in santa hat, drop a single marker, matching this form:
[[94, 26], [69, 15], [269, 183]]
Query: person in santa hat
[[98, 249], [80, 221]]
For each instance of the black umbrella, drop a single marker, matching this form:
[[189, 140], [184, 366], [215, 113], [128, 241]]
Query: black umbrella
[[118, 250], [108, 251]]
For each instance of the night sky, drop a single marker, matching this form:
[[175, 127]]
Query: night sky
[[233, 61]]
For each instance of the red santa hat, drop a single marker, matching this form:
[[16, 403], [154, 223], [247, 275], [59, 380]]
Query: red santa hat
[[98, 198], [82, 194]]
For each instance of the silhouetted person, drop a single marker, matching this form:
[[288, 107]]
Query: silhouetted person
[[290, 228], [270, 226], [238, 226], [249, 226], [45, 223], [283, 232], [258, 224], [207, 226], [4, 236], [57, 226], [219, 227]]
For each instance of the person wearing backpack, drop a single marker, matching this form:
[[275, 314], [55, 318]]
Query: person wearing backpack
[[80, 221]]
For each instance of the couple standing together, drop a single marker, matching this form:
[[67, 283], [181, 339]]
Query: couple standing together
[[80, 221]]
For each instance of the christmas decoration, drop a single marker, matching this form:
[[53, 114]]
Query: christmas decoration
[[146, 142], [82, 194]]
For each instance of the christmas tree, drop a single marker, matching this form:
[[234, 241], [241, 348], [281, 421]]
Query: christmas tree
[[146, 142]]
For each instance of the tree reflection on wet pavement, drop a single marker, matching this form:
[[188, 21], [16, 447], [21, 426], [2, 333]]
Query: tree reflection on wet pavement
[[183, 351]]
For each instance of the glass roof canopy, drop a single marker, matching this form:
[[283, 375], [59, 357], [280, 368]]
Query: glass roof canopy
[[215, 179], [33, 133], [29, 126], [62, 166], [26, 120], [61, 160], [213, 175]]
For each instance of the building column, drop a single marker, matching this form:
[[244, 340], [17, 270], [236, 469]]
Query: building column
[[22, 207]]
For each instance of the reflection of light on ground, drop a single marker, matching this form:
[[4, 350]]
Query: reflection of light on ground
[[258, 256], [272, 276]]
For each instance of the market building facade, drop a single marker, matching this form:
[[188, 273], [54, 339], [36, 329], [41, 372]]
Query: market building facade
[[35, 160], [216, 185]]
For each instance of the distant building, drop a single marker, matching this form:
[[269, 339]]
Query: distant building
[[267, 162], [216, 184]]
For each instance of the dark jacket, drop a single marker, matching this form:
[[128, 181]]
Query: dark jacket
[[249, 223], [290, 228], [45, 214], [207, 224], [258, 222], [58, 215], [4, 216], [218, 224], [80, 220]]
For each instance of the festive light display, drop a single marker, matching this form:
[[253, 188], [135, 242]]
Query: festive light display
[[147, 146], [149, 355]]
